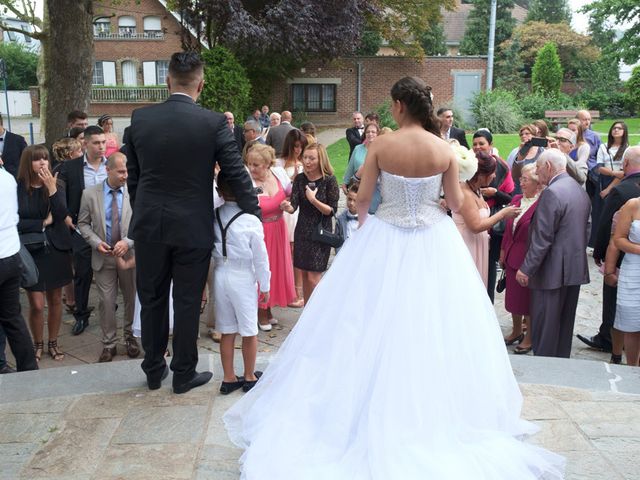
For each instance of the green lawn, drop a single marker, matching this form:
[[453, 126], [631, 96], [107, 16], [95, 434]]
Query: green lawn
[[603, 125], [339, 157], [339, 151]]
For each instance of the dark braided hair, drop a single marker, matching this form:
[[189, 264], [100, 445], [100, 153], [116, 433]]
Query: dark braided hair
[[416, 95]]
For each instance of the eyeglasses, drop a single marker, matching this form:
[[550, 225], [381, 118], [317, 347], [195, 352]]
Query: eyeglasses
[[617, 128], [247, 131], [562, 140]]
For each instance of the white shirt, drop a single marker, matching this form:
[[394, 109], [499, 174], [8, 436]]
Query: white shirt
[[9, 239], [245, 241], [92, 176]]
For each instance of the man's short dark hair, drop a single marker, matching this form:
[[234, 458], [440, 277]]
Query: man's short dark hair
[[442, 110], [76, 115], [185, 68], [1, 123], [374, 117], [92, 130]]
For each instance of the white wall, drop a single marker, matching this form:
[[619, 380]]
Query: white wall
[[19, 103]]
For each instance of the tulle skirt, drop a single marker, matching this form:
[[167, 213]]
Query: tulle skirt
[[396, 370]]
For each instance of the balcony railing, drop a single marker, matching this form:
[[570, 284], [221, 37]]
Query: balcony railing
[[129, 94], [152, 35]]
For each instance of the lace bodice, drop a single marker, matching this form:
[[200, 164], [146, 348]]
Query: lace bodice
[[410, 202]]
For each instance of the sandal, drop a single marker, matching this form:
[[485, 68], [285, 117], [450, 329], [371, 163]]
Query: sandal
[[38, 348], [522, 350], [54, 351]]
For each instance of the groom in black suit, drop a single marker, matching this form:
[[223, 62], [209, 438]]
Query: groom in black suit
[[172, 150]]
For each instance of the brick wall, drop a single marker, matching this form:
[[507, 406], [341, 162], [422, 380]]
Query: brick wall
[[378, 75]]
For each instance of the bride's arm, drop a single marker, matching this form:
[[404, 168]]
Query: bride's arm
[[370, 172], [451, 186]]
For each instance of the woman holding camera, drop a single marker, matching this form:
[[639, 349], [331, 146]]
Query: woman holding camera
[[524, 154], [316, 192]]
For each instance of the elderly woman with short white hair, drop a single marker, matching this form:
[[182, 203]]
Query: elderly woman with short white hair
[[566, 142], [512, 253]]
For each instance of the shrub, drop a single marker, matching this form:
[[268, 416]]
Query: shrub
[[535, 104], [633, 88], [384, 112], [226, 86], [613, 104], [497, 110], [546, 76]]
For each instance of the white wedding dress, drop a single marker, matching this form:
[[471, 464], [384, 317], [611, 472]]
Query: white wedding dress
[[397, 368]]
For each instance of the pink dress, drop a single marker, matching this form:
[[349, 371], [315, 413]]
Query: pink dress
[[112, 145], [477, 243], [276, 237]]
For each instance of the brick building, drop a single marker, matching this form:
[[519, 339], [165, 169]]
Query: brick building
[[327, 93]]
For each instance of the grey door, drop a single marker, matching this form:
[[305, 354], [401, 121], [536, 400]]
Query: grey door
[[465, 86]]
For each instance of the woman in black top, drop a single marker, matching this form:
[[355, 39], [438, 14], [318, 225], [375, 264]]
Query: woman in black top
[[42, 210], [315, 191]]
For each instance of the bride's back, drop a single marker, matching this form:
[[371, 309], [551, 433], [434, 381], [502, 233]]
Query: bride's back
[[413, 152]]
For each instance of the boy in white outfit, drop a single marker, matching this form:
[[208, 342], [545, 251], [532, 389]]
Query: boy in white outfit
[[240, 260]]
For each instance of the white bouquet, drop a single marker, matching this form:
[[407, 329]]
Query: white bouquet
[[467, 161]]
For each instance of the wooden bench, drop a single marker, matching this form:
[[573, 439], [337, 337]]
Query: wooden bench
[[562, 116]]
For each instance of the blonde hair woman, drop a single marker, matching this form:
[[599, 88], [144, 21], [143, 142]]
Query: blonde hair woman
[[316, 192]]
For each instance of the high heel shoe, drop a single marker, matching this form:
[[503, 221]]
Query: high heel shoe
[[38, 348], [518, 339], [54, 351]]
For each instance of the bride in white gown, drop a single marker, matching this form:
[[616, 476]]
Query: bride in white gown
[[397, 368]]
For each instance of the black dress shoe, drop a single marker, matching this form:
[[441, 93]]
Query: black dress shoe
[[155, 384], [80, 325], [596, 342], [197, 380], [249, 384]]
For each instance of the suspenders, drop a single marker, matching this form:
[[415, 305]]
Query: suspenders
[[224, 229]]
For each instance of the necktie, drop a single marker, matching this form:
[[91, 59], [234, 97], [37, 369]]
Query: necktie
[[115, 218]]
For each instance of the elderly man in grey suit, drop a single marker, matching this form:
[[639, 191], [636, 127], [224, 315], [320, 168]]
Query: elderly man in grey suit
[[556, 262], [103, 221], [277, 134]]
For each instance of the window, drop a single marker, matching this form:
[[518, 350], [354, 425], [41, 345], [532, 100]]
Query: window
[[126, 25], [314, 97], [162, 70], [98, 74], [12, 36], [102, 26], [152, 27]]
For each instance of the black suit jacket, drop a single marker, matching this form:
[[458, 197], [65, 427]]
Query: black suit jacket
[[627, 189], [71, 181], [354, 138], [172, 151], [11, 152], [238, 134], [459, 135]]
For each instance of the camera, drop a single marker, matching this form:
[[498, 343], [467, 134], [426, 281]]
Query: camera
[[312, 185]]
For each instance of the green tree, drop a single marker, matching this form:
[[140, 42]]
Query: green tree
[[433, 40], [476, 34], [369, 43], [633, 88], [509, 69], [226, 86], [574, 49], [21, 64], [619, 12], [546, 76], [550, 11]]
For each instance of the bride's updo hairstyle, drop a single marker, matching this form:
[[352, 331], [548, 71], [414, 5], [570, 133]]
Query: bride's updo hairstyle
[[416, 95]]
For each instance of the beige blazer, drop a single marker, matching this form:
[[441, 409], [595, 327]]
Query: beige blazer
[[92, 222]]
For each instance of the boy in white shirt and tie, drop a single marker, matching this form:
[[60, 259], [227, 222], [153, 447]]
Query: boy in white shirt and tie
[[240, 261]]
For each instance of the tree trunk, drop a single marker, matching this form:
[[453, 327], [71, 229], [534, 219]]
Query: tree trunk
[[67, 64]]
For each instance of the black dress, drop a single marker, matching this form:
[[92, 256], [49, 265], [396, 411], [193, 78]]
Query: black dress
[[307, 254], [54, 259]]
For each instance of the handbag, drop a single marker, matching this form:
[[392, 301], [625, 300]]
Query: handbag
[[34, 241], [325, 236], [502, 283], [28, 270]]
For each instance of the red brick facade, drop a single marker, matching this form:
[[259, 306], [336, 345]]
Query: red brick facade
[[378, 74]]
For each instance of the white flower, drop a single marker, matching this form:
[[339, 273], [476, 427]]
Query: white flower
[[467, 161]]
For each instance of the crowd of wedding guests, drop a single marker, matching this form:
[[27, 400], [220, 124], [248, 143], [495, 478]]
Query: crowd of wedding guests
[[528, 222]]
